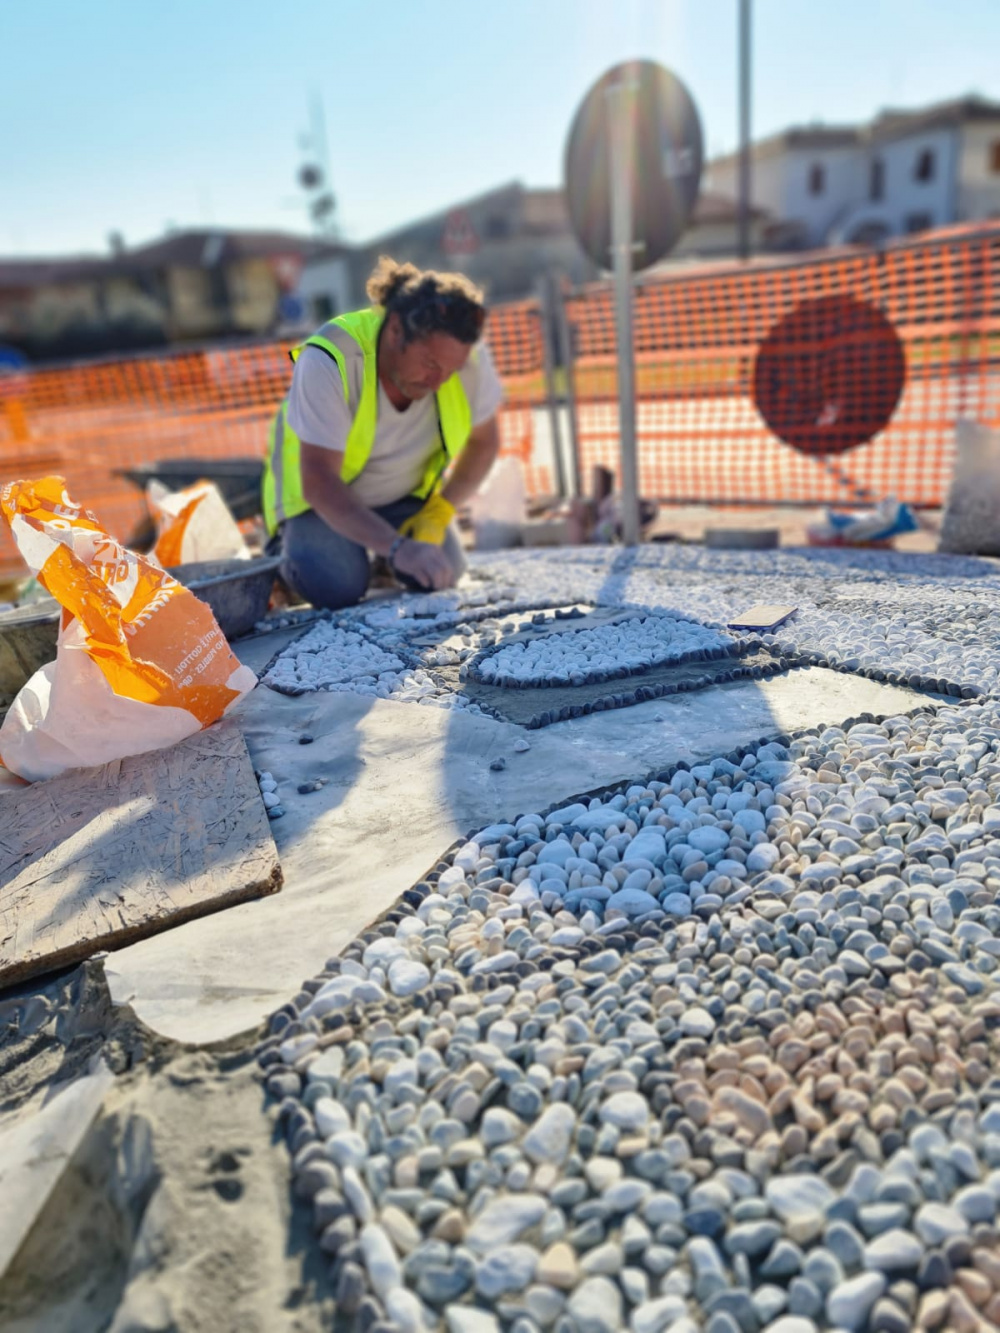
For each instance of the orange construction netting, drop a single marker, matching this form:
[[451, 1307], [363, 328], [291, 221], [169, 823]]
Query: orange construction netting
[[701, 433], [91, 421], [701, 436]]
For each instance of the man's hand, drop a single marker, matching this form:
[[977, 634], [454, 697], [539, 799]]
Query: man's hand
[[426, 564]]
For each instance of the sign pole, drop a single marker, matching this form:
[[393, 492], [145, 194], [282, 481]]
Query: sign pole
[[621, 111], [744, 149]]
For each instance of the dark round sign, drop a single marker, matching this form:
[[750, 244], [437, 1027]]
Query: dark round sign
[[829, 374], [666, 163]]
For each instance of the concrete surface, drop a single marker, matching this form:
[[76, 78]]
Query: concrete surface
[[403, 782]]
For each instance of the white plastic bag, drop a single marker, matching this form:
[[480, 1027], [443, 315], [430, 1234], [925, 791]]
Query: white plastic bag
[[971, 523], [193, 524], [498, 508], [141, 663]]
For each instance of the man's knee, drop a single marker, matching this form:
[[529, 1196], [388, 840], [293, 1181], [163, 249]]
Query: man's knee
[[327, 589], [324, 568]]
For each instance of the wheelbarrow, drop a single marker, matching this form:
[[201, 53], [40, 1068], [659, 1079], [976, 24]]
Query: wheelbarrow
[[238, 479]]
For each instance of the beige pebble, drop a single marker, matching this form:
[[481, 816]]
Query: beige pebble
[[962, 1314], [988, 1263], [922, 1044], [933, 1310], [753, 1088], [882, 1117], [805, 1228], [547, 1177], [698, 1108], [723, 1057], [826, 1144], [406, 1172], [747, 1110], [937, 1100], [750, 1047], [848, 1099], [465, 1151], [831, 1019], [723, 1078], [897, 1093], [811, 1120], [632, 1145], [976, 1285], [401, 1230], [846, 1064], [450, 1227], [791, 1054], [914, 1079], [558, 1267]]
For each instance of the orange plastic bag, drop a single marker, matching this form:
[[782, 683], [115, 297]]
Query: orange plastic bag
[[141, 662]]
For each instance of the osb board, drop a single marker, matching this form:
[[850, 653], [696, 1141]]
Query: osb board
[[103, 856]]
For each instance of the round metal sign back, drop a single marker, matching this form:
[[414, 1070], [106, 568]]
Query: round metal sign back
[[666, 163]]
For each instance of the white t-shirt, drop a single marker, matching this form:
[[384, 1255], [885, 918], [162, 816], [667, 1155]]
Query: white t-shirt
[[404, 441]]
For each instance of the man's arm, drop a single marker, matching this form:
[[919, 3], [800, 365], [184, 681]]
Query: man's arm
[[338, 507], [473, 463], [336, 503]]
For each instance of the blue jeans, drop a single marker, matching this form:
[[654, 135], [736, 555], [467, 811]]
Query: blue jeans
[[331, 571]]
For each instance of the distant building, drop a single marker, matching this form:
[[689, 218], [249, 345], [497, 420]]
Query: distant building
[[906, 171], [509, 239], [193, 286], [505, 240], [323, 290], [713, 232]]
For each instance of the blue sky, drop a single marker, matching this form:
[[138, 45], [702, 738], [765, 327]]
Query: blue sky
[[132, 116]]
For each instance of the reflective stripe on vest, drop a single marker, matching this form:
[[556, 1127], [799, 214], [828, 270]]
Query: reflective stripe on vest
[[282, 492]]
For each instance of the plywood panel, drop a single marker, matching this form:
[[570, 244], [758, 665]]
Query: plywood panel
[[103, 856]]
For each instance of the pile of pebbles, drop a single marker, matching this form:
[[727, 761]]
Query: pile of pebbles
[[709, 1053]]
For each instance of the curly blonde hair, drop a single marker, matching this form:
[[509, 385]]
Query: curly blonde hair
[[428, 302]]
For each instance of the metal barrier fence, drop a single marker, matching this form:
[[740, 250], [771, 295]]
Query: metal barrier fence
[[701, 435]]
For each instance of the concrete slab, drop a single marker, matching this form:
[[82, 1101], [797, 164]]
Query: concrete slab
[[403, 782], [36, 1148]]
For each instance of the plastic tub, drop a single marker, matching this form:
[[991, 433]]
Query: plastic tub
[[238, 591], [27, 641]]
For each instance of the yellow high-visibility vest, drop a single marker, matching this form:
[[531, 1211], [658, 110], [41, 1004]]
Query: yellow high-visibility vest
[[340, 338]]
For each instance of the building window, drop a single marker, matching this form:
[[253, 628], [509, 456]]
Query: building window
[[924, 169], [323, 308], [919, 221], [817, 178], [995, 156], [876, 188]]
